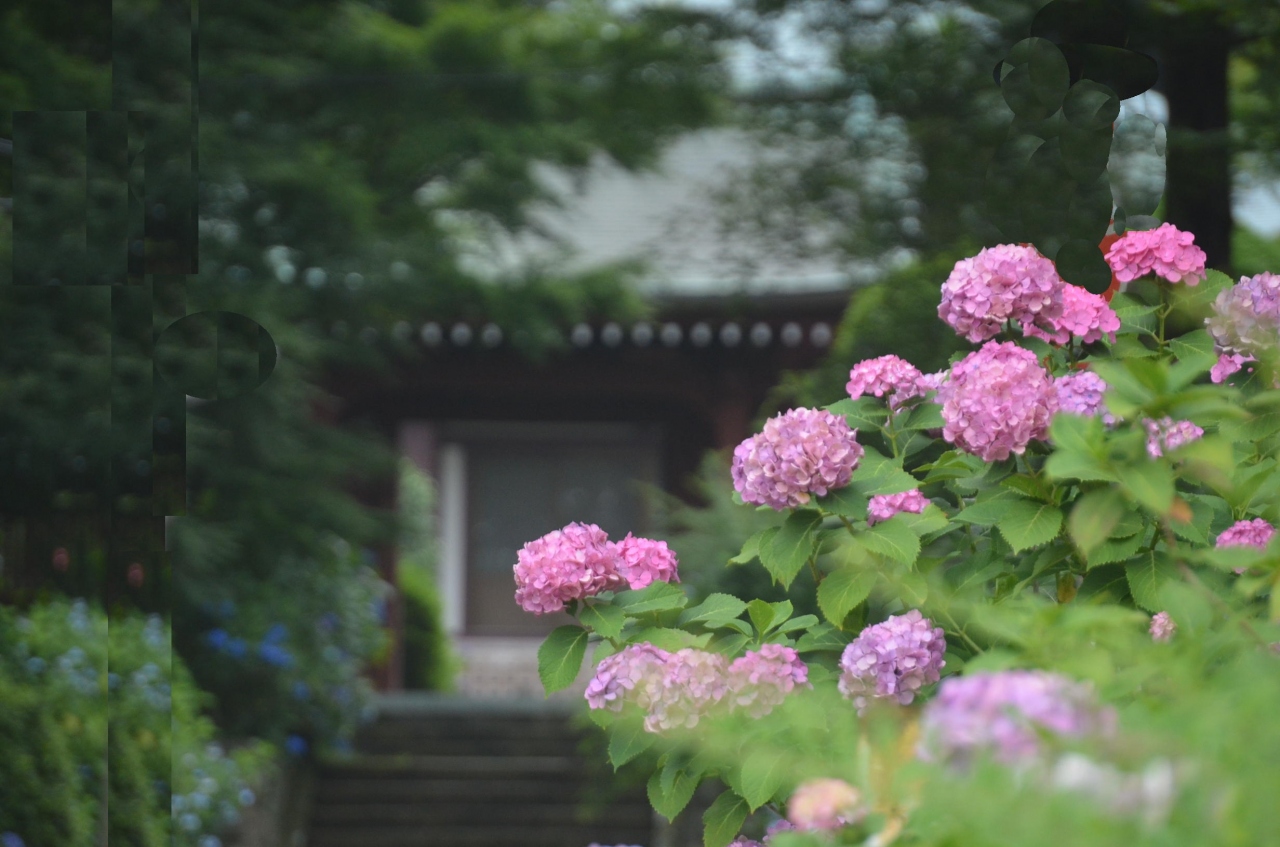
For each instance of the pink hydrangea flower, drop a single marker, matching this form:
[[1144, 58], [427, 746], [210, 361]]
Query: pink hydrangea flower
[[885, 375], [825, 804], [743, 841], [892, 659], [633, 675], [1004, 714], [884, 506], [1162, 626], [1246, 322], [780, 825], [1166, 251], [1166, 434], [932, 382], [996, 401], [566, 564], [1251, 533], [760, 680], [1081, 393], [643, 561], [1002, 283], [801, 453], [1084, 314], [693, 682]]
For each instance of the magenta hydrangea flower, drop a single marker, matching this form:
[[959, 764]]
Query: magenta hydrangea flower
[[1004, 714], [892, 659], [1084, 314], [801, 453], [566, 564], [1246, 322], [885, 375], [1002, 283], [1081, 393], [1162, 627], [1167, 434], [760, 680], [997, 400], [693, 682], [1251, 533], [884, 506], [633, 675], [643, 561], [825, 804], [1165, 251]]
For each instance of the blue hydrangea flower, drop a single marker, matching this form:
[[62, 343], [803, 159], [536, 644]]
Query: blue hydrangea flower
[[236, 648], [275, 655], [246, 797], [301, 690], [217, 638], [295, 745], [11, 839], [277, 633]]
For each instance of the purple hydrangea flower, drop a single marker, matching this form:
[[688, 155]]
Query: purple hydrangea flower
[[1081, 393], [801, 453], [1162, 627], [825, 804], [643, 561], [633, 675], [566, 564], [884, 506], [1084, 314], [1002, 283], [743, 841], [1166, 251], [892, 659], [1167, 434], [760, 680], [1246, 322], [885, 375], [694, 681], [996, 401], [1005, 713], [1254, 533]]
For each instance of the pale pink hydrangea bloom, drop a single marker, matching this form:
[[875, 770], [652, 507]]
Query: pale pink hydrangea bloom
[[997, 400], [1002, 283], [825, 804], [1251, 533], [760, 680], [693, 682], [1167, 434], [892, 659], [566, 564], [801, 453], [633, 675], [1004, 713], [643, 561], [743, 841], [1162, 627], [884, 506], [1166, 251], [889, 375], [1081, 393], [1246, 322], [780, 825], [1084, 314], [933, 382]]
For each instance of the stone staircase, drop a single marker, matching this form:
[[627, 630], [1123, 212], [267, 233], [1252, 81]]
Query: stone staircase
[[446, 772]]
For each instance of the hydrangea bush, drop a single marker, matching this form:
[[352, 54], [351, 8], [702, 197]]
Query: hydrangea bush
[[1046, 576]]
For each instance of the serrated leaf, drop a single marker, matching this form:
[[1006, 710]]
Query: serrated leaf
[[655, 597], [863, 413], [924, 416], [915, 588], [988, 509], [1150, 483], [878, 474], [794, 543], [802, 622], [932, 519], [822, 638], [672, 786], [672, 640], [1094, 517], [1146, 577], [751, 547], [761, 614], [714, 612], [842, 590], [893, 540], [604, 619], [1026, 524], [848, 502], [1127, 379], [1030, 486], [1196, 355], [1078, 466], [627, 740], [722, 821], [762, 774], [560, 657], [1113, 550], [729, 645]]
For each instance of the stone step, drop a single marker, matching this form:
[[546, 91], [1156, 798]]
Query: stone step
[[486, 836], [475, 810], [400, 789]]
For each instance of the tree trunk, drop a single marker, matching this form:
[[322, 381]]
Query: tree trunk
[[1198, 157]]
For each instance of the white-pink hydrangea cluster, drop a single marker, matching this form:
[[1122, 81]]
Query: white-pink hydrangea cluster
[[996, 401], [1246, 322], [1081, 393], [885, 375], [694, 681], [566, 564], [1005, 713], [884, 506], [825, 804], [1084, 314], [633, 675], [580, 561], [1167, 434], [1165, 251], [800, 454], [760, 680], [1001, 283], [1162, 627], [893, 659], [644, 561]]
